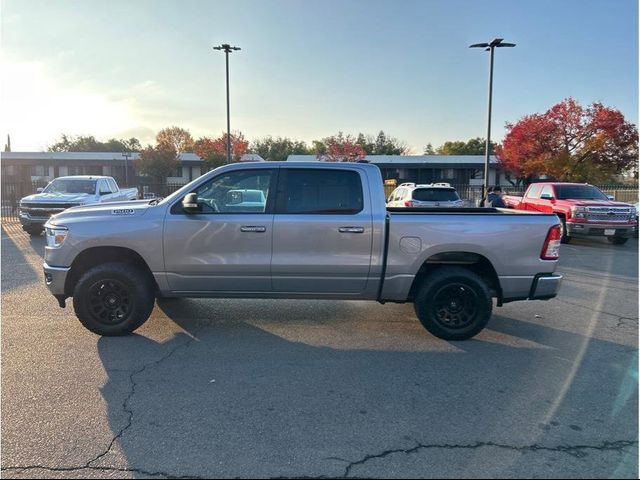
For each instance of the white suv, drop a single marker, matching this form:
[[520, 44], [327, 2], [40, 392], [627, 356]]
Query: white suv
[[409, 195]]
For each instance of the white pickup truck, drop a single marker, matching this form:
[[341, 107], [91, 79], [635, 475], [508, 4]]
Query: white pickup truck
[[66, 192]]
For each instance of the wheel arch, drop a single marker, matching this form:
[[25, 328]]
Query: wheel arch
[[472, 261], [95, 256]]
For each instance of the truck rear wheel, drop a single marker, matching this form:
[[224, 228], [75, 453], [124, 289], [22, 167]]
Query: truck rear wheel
[[453, 303], [113, 299]]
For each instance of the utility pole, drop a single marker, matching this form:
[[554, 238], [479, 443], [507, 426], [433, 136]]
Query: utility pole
[[126, 156], [489, 47], [227, 50]]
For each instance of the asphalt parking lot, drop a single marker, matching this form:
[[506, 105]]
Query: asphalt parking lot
[[247, 388]]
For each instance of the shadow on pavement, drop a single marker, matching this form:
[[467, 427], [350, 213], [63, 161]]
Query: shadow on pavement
[[18, 252], [226, 398]]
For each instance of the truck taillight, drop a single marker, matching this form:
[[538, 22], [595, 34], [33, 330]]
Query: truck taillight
[[408, 203], [551, 247]]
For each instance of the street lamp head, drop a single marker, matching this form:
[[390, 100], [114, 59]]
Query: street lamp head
[[226, 47], [495, 43]]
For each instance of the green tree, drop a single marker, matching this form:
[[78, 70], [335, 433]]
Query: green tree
[[428, 150], [318, 148], [88, 143], [279, 148], [385, 145], [157, 162], [473, 146]]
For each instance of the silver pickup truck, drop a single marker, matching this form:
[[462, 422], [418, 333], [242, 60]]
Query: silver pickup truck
[[66, 192], [321, 230]]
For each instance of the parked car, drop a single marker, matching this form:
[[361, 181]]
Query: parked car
[[410, 195], [67, 192], [323, 232], [582, 208]]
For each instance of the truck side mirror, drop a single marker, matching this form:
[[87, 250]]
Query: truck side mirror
[[190, 203], [546, 196], [611, 197], [39, 189]]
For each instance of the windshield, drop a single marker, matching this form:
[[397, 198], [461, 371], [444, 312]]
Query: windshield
[[579, 192], [71, 186], [435, 195]]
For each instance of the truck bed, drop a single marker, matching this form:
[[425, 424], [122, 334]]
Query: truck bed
[[510, 240], [459, 211]]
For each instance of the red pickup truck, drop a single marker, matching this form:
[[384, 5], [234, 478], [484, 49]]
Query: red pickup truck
[[582, 208]]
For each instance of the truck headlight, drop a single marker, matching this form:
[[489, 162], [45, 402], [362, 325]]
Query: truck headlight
[[56, 236], [579, 212]]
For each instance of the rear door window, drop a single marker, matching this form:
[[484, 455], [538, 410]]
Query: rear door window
[[435, 195], [547, 191], [315, 191]]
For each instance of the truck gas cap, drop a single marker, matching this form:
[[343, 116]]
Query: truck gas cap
[[411, 245]]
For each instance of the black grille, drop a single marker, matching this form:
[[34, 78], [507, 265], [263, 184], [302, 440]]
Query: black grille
[[48, 205]]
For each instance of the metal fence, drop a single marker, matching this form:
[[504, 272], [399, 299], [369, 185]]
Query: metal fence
[[11, 192]]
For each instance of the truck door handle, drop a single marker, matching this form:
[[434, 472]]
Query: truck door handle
[[253, 228], [351, 229]]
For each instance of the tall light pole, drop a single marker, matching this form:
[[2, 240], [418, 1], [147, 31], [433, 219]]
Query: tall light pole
[[489, 47], [227, 50]]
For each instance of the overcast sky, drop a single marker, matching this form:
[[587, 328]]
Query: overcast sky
[[307, 68]]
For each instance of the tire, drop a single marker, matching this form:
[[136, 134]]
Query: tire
[[34, 231], [565, 238], [113, 299], [617, 240], [453, 303]]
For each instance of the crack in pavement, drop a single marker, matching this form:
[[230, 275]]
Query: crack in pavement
[[574, 450], [97, 469], [622, 322], [132, 391]]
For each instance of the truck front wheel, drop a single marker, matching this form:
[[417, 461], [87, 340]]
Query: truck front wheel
[[617, 240], [565, 237], [33, 231], [113, 299], [453, 303]]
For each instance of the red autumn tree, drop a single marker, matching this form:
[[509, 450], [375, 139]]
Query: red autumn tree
[[571, 143], [175, 138], [341, 148], [214, 150]]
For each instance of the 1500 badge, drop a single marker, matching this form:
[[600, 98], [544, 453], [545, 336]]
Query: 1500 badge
[[123, 211]]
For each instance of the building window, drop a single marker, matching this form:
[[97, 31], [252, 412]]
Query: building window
[[93, 170], [178, 172], [448, 174], [38, 170], [75, 170]]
